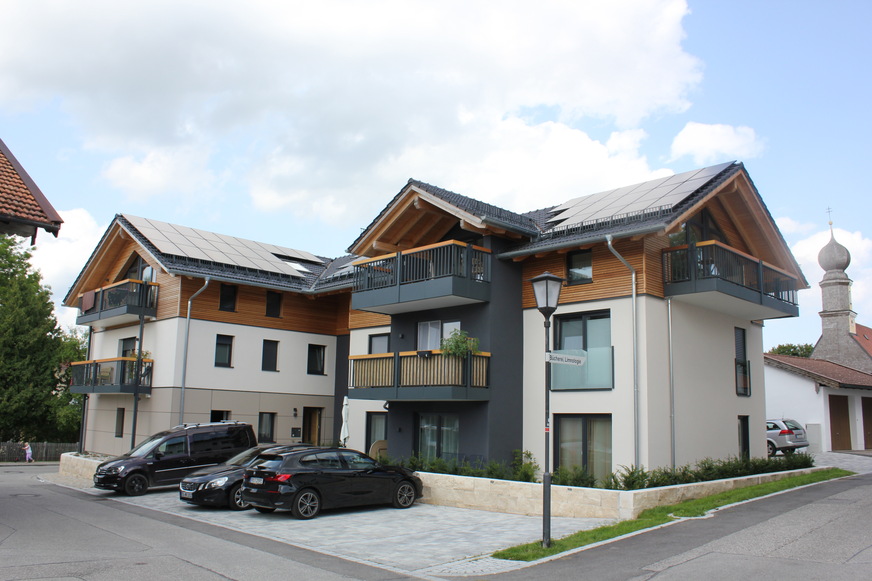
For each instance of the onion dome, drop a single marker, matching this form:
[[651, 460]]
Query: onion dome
[[834, 256]]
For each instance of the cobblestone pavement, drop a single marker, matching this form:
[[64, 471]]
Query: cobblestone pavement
[[425, 541]]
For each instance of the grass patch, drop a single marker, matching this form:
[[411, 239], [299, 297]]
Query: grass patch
[[663, 514]]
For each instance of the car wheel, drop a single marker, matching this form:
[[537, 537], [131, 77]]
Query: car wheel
[[307, 504], [135, 485], [264, 510], [234, 498], [789, 451], [404, 495], [771, 448]]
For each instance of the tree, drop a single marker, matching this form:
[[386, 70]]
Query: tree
[[35, 403], [802, 350]]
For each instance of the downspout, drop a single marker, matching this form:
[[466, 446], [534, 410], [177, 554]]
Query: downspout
[[185, 352], [671, 383], [635, 353]]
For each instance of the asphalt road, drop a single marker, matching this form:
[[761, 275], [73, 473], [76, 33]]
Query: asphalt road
[[54, 532]]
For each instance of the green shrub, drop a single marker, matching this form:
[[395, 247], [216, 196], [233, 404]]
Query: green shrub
[[573, 476], [523, 467]]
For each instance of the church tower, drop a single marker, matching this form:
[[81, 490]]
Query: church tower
[[838, 341]]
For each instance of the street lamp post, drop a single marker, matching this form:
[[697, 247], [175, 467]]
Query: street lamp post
[[546, 288]]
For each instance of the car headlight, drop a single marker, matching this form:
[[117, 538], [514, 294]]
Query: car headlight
[[114, 470], [217, 483]]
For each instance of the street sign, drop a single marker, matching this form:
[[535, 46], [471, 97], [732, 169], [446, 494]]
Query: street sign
[[563, 359]]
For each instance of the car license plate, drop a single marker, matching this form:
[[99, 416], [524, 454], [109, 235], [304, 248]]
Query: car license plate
[[255, 480], [186, 494]]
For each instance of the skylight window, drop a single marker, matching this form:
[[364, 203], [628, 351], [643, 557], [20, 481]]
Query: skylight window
[[292, 263]]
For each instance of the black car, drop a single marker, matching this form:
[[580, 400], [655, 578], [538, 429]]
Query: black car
[[220, 485], [167, 457], [306, 481]]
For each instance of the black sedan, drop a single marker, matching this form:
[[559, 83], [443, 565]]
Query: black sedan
[[219, 485], [306, 481]]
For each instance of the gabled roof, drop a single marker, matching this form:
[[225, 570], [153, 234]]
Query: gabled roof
[[822, 371], [184, 251], [863, 337], [23, 207]]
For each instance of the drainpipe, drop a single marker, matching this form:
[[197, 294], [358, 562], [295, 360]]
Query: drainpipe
[[185, 352], [635, 352], [671, 382]]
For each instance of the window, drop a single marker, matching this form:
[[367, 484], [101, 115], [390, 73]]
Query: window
[[743, 366], [273, 304], [269, 360], [175, 446], [376, 428], [357, 461], [380, 343], [119, 422], [584, 440], [266, 427], [315, 362], [223, 350], [127, 347], [138, 269], [579, 267], [430, 333], [587, 335], [219, 415], [227, 300], [438, 436]]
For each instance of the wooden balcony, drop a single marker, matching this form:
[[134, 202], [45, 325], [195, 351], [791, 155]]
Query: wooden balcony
[[419, 375], [117, 375], [440, 275], [118, 304], [715, 276]]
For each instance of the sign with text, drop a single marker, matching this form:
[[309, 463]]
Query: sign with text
[[564, 359]]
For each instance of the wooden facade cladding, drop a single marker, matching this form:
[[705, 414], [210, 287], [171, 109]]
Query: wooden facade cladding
[[365, 319], [325, 314]]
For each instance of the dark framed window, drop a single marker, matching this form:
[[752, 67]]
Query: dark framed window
[[315, 360], [223, 350], [438, 436], [266, 427], [587, 335], [380, 343], [127, 347], [138, 269], [269, 360], [227, 298], [584, 440], [376, 428], [431, 333], [743, 366], [579, 267], [273, 304], [119, 422], [219, 415]]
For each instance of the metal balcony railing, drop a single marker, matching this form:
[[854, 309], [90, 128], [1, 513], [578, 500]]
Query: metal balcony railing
[[714, 260], [110, 375], [419, 369], [441, 260], [125, 297]]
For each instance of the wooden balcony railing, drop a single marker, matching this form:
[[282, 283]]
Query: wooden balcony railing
[[419, 369]]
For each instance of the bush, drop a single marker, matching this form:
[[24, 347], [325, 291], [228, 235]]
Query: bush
[[523, 467], [574, 476]]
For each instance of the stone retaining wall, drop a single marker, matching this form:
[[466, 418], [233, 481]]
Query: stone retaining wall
[[77, 466], [568, 501]]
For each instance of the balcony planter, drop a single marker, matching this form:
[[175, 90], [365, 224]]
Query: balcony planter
[[459, 344]]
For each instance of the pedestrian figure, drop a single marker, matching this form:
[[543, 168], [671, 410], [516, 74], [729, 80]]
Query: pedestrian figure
[[28, 453]]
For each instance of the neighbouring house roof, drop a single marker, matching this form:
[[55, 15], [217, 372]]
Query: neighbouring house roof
[[821, 371], [863, 337], [184, 251], [23, 207]]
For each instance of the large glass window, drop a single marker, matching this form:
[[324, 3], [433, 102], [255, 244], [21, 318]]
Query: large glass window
[[438, 436], [584, 440], [223, 350], [586, 335], [380, 343], [376, 428], [431, 333], [227, 300], [315, 363], [273, 304]]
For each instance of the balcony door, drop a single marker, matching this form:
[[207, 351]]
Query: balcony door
[[438, 436]]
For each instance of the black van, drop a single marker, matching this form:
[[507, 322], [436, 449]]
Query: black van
[[167, 457]]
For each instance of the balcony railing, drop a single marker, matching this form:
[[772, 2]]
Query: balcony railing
[[119, 303], [704, 266], [439, 271], [116, 375], [419, 375], [597, 371]]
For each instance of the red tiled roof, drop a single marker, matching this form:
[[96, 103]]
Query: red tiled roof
[[23, 207], [864, 338], [822, 371]]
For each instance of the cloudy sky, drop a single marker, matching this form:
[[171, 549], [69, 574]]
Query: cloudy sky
[[296, 122]]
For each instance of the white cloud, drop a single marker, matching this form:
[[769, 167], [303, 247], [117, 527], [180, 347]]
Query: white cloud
[[161, 170], [790, 226], [708, 143], [60, 260]]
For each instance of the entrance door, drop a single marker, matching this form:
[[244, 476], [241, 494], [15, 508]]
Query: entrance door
[[840, 423], [312, 426], [867, 422]]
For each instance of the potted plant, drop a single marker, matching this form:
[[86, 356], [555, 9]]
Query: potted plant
[[459, 344]]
